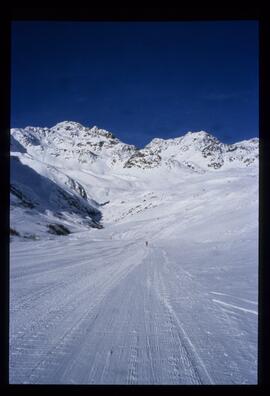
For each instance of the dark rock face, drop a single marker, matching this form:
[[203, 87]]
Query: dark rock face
[[143, 159], [24, 201], [76, 186], [214, 153], [58, 229], [13, 232], [215, 165]]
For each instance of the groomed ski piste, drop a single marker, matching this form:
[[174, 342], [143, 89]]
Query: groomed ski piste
[[100, 306]]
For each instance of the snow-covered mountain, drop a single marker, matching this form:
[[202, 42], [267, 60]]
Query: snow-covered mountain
[[196, 150], [70, 144], [102, 306], [54, 201], [75, 144], [64, 175]]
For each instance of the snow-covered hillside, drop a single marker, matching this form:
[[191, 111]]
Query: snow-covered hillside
[[99, 306], [70, 144], [77, 169]]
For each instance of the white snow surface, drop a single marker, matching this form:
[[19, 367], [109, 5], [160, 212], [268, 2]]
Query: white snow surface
[[98, 306]]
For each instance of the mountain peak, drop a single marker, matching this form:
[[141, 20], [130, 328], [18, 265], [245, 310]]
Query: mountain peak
[[94, 128], [67, 125], [200, 135]]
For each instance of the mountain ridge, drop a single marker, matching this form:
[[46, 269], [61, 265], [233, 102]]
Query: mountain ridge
[[61, 176], [73, 141]]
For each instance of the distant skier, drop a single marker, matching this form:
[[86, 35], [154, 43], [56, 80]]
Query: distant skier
[[146, 243]]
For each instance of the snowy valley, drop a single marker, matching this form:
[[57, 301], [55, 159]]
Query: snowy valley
[[90, 303]]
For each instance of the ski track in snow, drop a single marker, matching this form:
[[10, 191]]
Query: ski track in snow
[[140, 346], [109, 316], [235, 306], [241, 299]]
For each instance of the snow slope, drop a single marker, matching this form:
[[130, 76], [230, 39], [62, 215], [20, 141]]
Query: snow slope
[[98, 306]]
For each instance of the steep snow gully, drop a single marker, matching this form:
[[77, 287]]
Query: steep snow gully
[[100, 306]]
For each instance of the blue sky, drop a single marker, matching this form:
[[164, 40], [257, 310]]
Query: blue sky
[[139, 80]]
